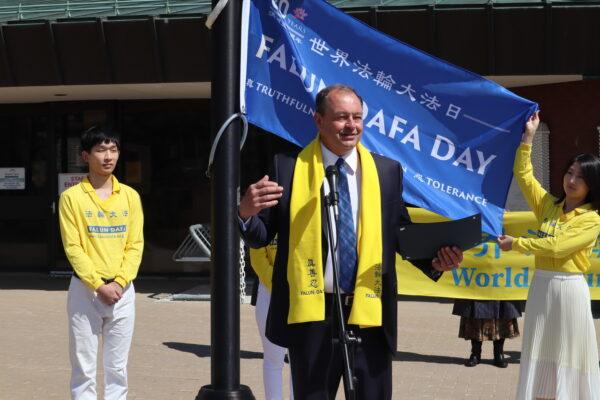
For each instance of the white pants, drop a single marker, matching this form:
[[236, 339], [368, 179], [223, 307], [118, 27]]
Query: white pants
[[273, 355], [89, 319]]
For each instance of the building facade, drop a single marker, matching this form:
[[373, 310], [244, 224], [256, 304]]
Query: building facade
[[144, 68]]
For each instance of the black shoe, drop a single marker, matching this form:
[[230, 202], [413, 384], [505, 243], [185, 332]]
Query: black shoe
[[500, 361], [473, 360]]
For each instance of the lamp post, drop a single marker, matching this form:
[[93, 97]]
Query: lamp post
[[225, 298]]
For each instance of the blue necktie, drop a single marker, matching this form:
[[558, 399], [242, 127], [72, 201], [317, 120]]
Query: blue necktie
[[346, 235]]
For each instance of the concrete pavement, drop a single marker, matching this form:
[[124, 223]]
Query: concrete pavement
[[170, 355]]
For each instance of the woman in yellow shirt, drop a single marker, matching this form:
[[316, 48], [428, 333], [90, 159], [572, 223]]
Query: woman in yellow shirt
[[559, 356]]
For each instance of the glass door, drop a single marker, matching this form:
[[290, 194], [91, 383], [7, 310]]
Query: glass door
[[26, 208]]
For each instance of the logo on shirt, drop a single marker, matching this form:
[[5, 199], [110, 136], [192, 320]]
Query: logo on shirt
[[107, 229]]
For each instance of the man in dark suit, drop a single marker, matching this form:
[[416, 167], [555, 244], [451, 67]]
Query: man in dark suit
[[270, 207]]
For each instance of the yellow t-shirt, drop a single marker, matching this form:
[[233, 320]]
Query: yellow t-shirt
[[262, 261], [102, 238], [564, 241]]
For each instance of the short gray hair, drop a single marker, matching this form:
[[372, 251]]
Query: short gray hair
[[322, 95]]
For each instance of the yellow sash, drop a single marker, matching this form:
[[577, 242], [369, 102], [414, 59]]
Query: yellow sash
[[305, 261]]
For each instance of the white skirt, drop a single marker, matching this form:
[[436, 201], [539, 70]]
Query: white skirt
[[559, 358]]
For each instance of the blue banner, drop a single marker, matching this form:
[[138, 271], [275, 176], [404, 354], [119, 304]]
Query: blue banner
[[454, 132]]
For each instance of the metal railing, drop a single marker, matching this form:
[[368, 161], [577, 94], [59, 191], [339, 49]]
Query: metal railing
[[102, 8], [196, 246]]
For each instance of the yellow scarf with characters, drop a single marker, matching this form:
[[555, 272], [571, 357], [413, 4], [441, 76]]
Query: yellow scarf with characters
[[305, 260]]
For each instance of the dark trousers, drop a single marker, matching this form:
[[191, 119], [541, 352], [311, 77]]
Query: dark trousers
[[317, 364]]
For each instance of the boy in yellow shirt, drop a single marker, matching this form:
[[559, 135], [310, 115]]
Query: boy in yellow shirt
[[101, 224]]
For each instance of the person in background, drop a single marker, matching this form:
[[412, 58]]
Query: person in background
[[482, 320], [559, 357], [101, 224], [262, 261]]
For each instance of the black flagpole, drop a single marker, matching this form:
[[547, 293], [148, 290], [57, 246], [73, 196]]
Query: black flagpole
[[225, 287]]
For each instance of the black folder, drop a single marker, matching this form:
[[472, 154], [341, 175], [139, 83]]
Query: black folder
[[422, 241]]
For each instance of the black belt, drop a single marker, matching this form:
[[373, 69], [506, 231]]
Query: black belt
[[105, 280]]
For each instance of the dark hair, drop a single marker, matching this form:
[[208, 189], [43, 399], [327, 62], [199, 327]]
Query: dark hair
[[96, 135], [322, 96], [590, 169]]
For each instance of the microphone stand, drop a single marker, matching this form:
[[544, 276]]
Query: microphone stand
[[346, 338]]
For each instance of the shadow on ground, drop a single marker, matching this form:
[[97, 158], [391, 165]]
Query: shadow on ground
[[202, 350], [512, 358]]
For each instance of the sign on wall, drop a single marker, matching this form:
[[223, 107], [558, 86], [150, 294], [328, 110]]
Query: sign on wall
[[65, 181], [12, 178]]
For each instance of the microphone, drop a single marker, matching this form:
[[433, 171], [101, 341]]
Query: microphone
[[332, 175]]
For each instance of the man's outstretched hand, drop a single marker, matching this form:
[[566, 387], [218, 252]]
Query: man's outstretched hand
[[447, 259], [260, 195]]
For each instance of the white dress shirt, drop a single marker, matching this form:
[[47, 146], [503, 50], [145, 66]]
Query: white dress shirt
[[352, 164]]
